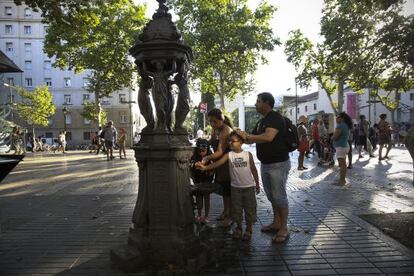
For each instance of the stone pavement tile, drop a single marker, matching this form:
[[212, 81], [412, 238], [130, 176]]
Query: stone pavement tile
[[305, 261], [348, 260], [397, 263], [266, 268], [358, 271], [262, 273], [346, 265], [314, 272], [314, 266]]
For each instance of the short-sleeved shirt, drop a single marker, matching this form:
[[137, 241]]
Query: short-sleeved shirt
[[343, 139], [275, 151]]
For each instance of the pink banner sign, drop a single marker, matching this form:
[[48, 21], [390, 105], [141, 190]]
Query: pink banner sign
[[351, 105]]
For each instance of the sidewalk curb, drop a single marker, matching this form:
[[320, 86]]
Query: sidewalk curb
[[377, 232]]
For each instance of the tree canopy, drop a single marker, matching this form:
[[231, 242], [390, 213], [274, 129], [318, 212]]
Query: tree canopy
[[94, 35], [365, 45], [37, 106], [228, 39]]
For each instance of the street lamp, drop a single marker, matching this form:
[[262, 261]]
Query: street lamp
[[65, 111]]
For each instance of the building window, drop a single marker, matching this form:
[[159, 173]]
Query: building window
[[306, 108], [27, 29], [122, 98], [49, 135], [67, 82], [290, 111], [86, 82], [86, 97], [10, 81], [28, 47], [67, 99], [9, 46], [48, 64], [28, 82], [8, 11], [68, 136], [8, 29], [86, 136], [48, 82], [411, 96], [68, 119], [27, 12], [86, 121], [28, 64], [105, 101], [123, 119], [314, 106], [298, 110]]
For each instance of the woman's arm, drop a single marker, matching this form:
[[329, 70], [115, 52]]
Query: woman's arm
[[337, 134], [223, 140], [214, 165]]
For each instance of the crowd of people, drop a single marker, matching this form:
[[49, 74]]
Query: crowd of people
[[219, 165]]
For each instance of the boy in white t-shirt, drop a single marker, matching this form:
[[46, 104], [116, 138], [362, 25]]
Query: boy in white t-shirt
[[244, 184]]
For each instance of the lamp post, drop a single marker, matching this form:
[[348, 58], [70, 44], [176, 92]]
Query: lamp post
[[65, 111]]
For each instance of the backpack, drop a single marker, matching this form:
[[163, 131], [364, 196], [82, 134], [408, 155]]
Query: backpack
[[292, 139]]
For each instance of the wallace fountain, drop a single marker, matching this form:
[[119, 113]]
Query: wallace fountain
[[162, 232]]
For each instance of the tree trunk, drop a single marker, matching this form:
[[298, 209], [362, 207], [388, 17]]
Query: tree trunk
[[222, 93], [340, 95], [98, 108], [331, 101]]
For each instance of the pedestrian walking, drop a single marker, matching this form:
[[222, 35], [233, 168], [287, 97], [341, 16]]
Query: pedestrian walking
[[110, 135], [340, 137], [16, 141], [303, 142], [62, 141], [122, 142], [384, 136], [222, 127], [316, 137], [269, 135], [363, 133], [409, 143], [244, 185]]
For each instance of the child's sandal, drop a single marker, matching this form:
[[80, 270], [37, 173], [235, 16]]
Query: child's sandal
[[236, 234], [247, 236]]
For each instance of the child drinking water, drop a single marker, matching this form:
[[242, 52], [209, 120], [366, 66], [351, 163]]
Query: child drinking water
[[203, 181], [244, 185]]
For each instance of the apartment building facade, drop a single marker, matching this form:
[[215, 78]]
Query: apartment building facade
[[22, 36], [355, 104]]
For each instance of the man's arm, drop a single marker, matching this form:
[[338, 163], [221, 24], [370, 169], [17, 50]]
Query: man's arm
[[254, 172], [266, 137]]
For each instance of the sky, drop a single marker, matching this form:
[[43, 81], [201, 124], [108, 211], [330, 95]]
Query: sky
[[278, 75]]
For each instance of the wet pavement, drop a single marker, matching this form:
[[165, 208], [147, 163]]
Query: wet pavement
[[61, 215]]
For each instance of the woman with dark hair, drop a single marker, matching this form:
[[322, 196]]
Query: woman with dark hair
[[340, 137], [384, 136], [222, 127]]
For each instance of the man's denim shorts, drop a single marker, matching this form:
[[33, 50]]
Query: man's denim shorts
[[274, 178]]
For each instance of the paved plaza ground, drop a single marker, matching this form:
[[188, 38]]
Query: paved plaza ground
[[61, 215]]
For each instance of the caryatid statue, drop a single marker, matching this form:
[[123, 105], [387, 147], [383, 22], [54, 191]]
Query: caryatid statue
[[144, 101], [161, 92], [183, 100]]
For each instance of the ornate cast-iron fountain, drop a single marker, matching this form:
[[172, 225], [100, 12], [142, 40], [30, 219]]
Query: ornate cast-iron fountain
[[162, 232]]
